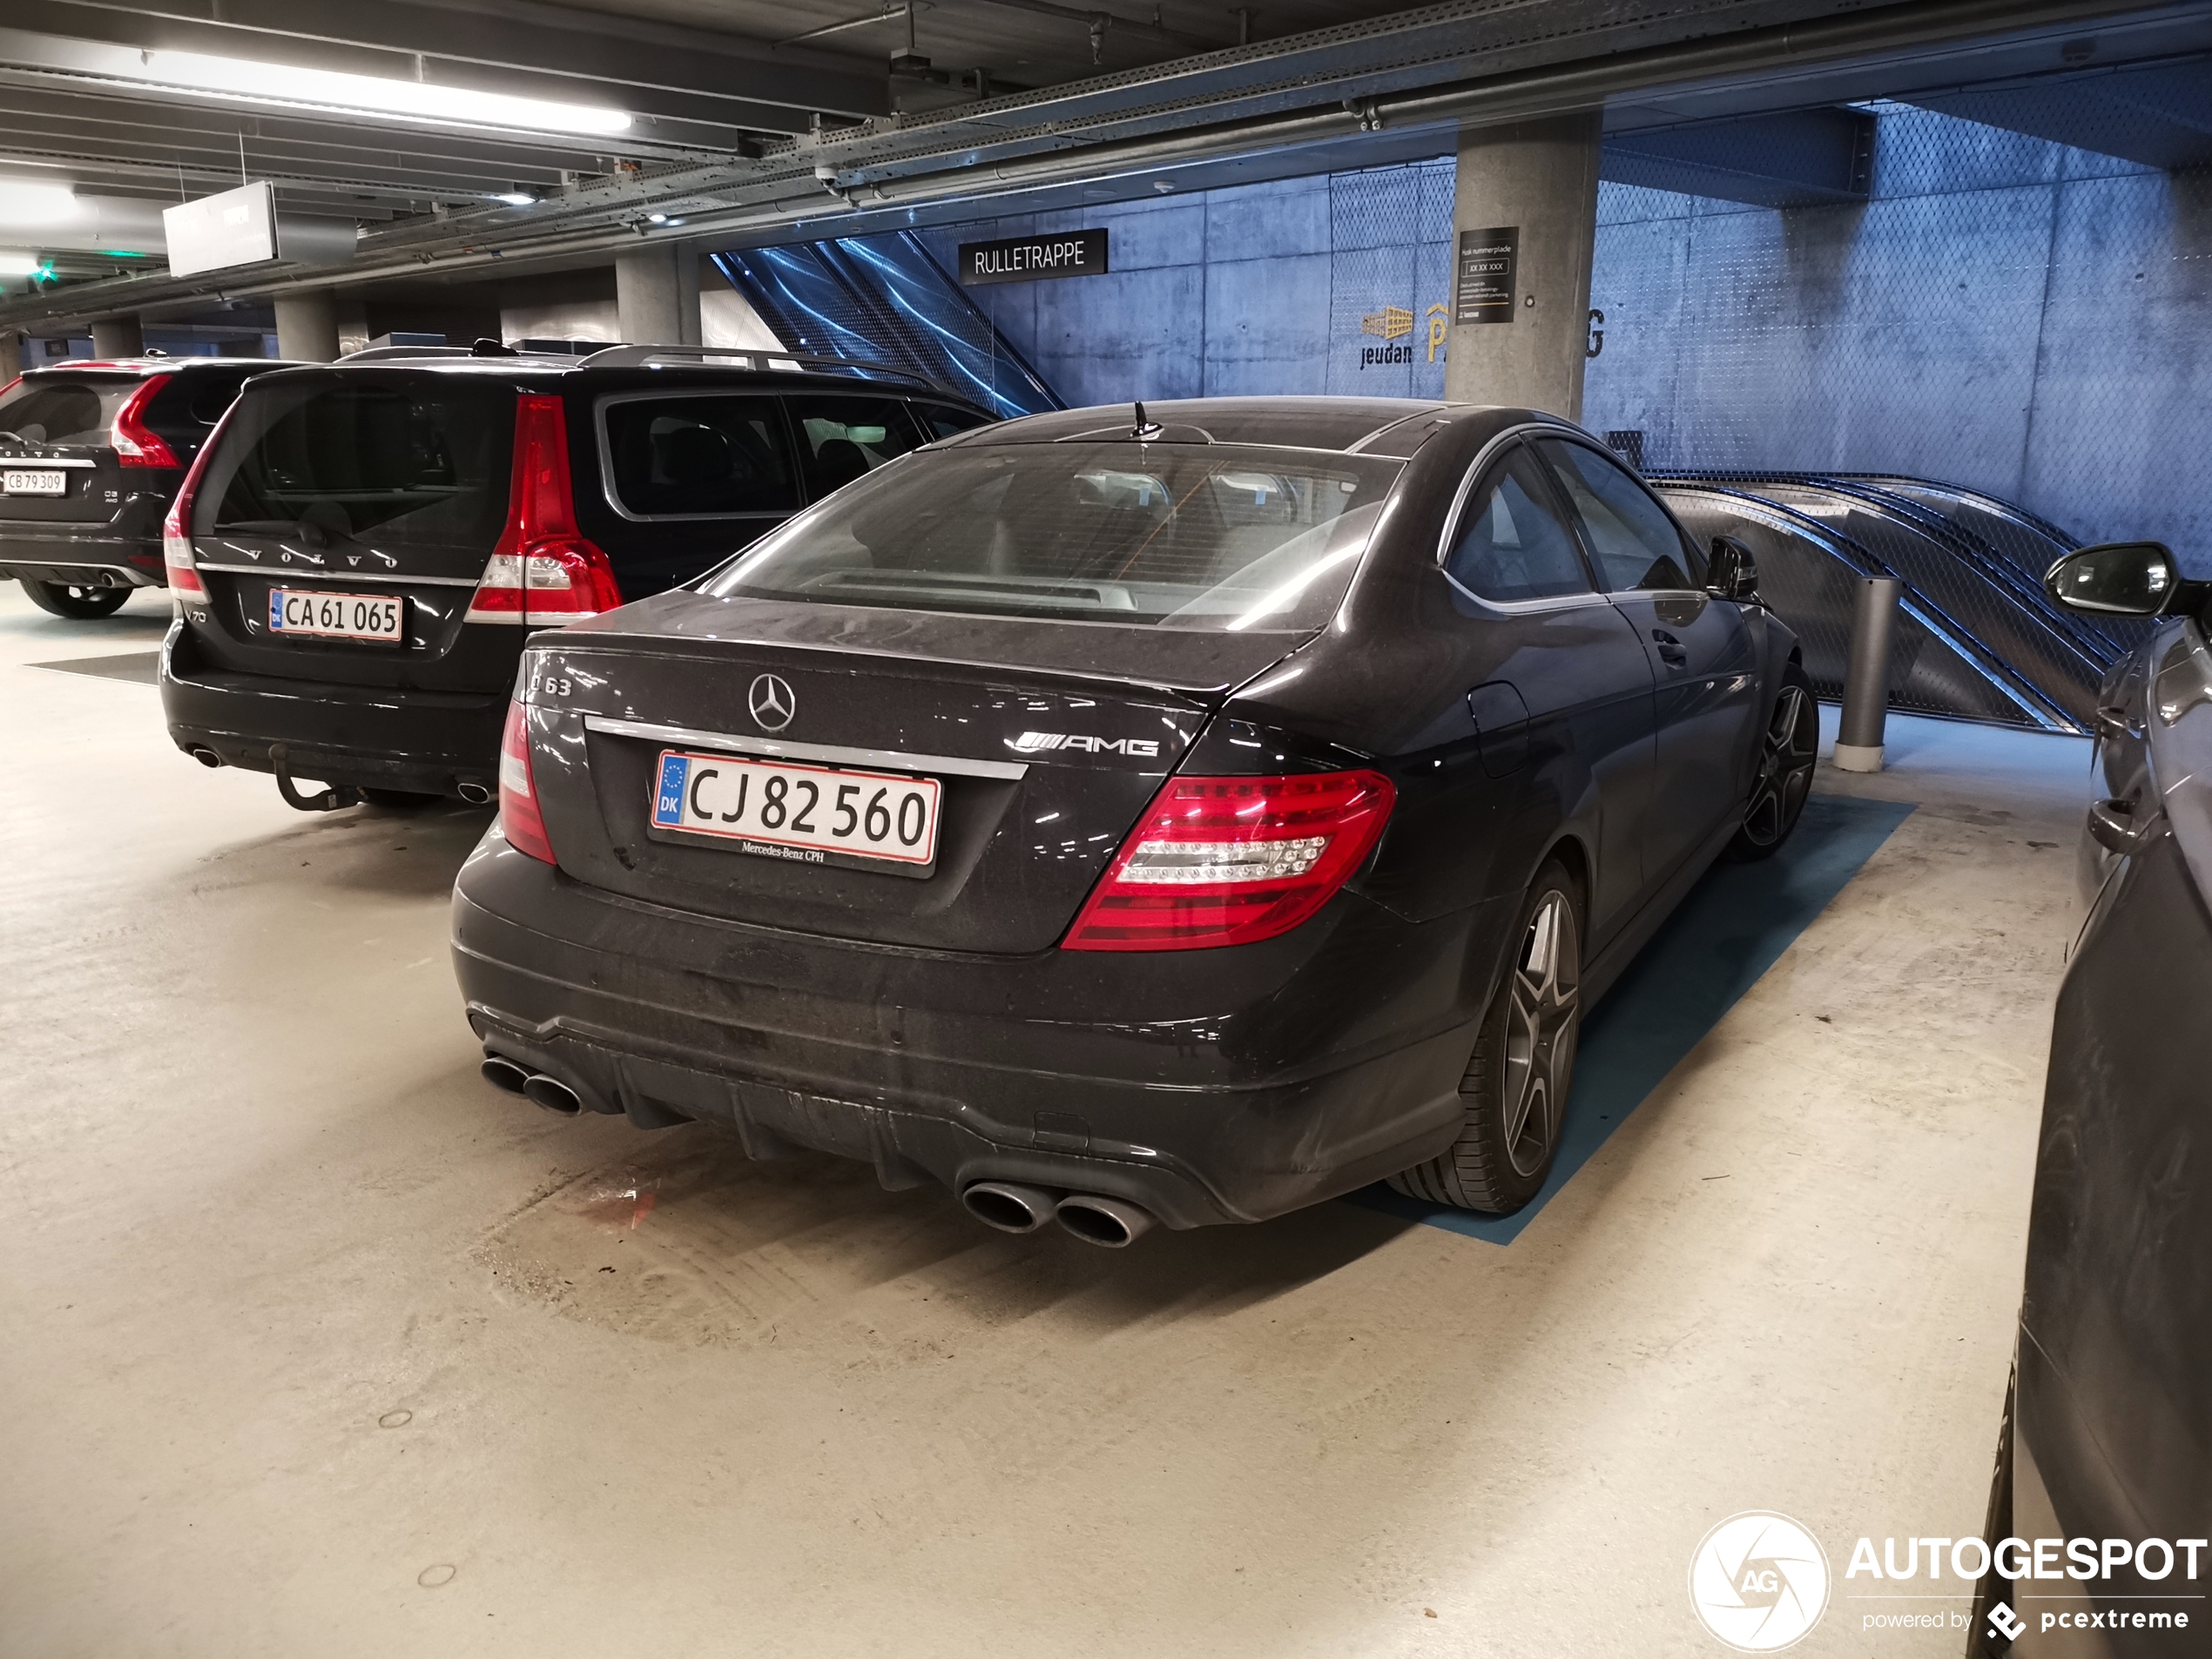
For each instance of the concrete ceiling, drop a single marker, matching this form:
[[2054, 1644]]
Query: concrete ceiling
[[741, 131]]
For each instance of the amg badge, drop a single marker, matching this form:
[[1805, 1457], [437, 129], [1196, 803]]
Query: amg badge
[[1030, 742]]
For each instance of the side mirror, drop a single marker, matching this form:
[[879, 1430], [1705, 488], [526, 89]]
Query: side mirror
[[1732, 573], [2117, 579]]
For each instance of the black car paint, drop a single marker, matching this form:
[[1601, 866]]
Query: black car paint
[[107, 530], [941, 1035], [426, 717], [2111, 1432]]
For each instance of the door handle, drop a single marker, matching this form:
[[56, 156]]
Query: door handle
[[1672, 651]]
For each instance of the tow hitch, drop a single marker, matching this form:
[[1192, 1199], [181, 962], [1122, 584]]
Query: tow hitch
[[330, 800]]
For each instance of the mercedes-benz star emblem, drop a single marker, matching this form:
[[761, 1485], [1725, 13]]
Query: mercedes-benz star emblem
[[771, 703]]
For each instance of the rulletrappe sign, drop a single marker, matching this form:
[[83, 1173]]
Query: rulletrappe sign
[[1025, 258]]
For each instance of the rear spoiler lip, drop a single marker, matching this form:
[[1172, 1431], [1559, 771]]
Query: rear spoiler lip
[[586, 635]]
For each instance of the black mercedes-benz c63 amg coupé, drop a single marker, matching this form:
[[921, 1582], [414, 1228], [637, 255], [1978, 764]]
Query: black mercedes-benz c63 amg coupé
[[1122, 816]]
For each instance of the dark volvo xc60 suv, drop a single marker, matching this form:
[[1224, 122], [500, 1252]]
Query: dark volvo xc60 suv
[[1123, 816], [90, 454]]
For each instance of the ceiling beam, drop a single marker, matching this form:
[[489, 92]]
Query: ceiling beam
[[889, 173]]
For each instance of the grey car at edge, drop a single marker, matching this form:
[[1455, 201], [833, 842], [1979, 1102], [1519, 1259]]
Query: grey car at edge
[[1208, 811], [2106, 1433]]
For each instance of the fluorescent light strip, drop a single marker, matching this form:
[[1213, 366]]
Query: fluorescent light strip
[[26, 204], [21, 264], [368, 94]]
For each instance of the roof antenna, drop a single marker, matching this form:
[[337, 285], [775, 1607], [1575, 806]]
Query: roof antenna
[[1144, 430]]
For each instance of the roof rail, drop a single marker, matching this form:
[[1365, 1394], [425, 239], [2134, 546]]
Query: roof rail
[[757, 359], [392, 353]]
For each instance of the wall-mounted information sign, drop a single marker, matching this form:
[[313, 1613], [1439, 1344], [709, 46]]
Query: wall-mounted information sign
[[1025, 258], [1486, 275]]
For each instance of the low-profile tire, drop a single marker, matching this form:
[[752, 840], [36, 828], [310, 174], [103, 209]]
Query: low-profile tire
[[1789, 745], [78, 603], [1997, 1525], [1513, 1093], [399, 800]]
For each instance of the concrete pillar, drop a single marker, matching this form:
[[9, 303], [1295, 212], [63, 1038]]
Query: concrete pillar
[[307, 326], [690, 325], [118, 337], [654, 305], [1523, 222]]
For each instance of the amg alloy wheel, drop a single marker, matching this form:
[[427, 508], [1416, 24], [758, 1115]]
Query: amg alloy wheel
[[80, 601], [1787, 749], [1514, 1091]]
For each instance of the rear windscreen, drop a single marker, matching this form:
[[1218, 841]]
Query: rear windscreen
[[423, 461], [78, 410], [1208, 536]]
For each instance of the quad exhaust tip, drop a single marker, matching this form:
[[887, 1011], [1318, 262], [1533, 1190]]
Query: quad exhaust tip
[[1012, 1207], [533, 1086], [1009, 1206], [553, 1094], [1111, 1224], [502, 1073]]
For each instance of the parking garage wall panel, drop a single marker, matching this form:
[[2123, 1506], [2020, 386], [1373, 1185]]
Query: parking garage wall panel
[[2003, 312]]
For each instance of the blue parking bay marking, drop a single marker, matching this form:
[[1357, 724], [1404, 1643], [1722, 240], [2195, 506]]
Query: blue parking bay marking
[[668, 800], [1733, 926]]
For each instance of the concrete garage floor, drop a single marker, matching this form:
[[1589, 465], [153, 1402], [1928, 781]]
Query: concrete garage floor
[[317, 1344]]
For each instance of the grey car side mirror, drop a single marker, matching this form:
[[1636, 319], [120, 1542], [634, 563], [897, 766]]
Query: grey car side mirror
[[1732, 573], [2119, 579]]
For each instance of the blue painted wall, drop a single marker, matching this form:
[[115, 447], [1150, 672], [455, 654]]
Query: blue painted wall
[[1256, 288], [2005, 312]]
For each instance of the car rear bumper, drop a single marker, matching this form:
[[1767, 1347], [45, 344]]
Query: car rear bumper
[[80, 555], [1063, 1069], [369, 735]]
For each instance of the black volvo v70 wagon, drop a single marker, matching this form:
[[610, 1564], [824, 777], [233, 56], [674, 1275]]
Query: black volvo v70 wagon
[[365, 545], [90, 454]]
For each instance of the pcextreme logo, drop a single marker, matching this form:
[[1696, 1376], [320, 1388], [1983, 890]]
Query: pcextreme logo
[[1759, 1582]]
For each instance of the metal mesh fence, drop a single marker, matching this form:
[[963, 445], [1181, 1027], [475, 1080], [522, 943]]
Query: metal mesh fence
[[1989, 349], [2024, 318]]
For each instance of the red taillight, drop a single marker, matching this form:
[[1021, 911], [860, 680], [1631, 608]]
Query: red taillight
[[1232, 860], [176, 528], [136, 443], [543, 571], [519, 819]]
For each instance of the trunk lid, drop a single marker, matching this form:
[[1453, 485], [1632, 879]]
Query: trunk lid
[[61, 422], [1047, 739], [391, 485]]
